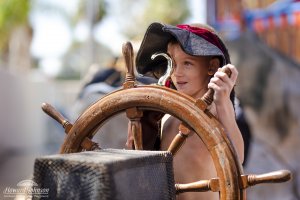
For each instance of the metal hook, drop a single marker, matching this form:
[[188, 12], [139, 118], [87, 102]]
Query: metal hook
[[162, 80]]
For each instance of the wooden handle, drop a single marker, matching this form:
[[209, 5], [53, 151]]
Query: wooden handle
[[127, 51], [87, 144], [247, 181], [134, 114], [208, 97], [179, 139], [176, 143], [136, 129], [52, 112], [272, 177], [199, 186]]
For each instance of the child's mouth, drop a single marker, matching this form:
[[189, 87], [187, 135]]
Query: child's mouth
[[181, 83]]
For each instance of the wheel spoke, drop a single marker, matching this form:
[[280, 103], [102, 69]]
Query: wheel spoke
[[134, 115], [199, 186], [136, 129], [179, 139], [89, 145], [271, 177]]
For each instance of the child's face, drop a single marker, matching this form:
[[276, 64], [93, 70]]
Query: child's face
[[190, 74]]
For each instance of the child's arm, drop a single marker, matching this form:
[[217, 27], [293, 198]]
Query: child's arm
[[222, 86]]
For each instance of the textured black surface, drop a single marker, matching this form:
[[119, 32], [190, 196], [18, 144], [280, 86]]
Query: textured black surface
[[107, 174]]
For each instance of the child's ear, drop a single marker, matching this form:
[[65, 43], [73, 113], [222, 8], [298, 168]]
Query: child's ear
[[214, 64]]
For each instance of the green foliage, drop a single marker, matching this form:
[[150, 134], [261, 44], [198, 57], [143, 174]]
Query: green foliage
[[13, 13], [82, 9], [166, 11]]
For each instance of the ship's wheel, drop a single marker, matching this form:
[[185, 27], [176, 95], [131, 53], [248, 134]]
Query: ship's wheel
[[134, 100]]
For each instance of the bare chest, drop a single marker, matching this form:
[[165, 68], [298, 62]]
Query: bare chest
[[193, 161]]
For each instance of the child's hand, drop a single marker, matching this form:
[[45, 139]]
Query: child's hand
[[222, 84]]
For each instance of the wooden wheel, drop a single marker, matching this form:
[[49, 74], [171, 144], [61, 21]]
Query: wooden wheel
[[133, 99], [168, 101]]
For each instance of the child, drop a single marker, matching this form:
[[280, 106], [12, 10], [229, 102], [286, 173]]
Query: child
[[197, 54]]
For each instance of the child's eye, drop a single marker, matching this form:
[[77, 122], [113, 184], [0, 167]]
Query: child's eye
[[188, 64]]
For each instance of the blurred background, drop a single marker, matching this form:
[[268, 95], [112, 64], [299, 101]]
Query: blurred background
[[52, 51]]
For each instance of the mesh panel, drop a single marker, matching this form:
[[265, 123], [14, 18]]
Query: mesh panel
[[107, 174]]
